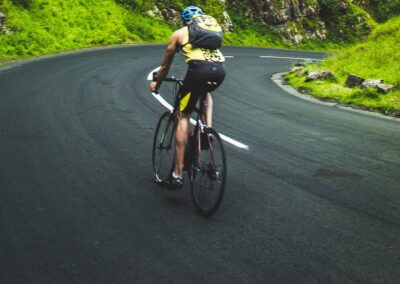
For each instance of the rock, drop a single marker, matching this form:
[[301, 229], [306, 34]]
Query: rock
[[295, 21], [353, 81], [291, 34], [3, 28], [384, 88], [303, 63], [299, 70], [318, 31], [371, 83], [172, 15], [324, 74], [2, 18], [155, 13], [300, 64], [227, 24], [342, 6]]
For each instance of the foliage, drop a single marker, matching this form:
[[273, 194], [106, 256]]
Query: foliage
[[134, 4], [52, 25], [250, 33], [332, 5], [376, 58], [47, 26], [214, 8], [379, 56], [348, 23], [381, 10], [24, 3]]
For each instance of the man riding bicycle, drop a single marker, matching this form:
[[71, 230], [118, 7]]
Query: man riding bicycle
[[205, 73]]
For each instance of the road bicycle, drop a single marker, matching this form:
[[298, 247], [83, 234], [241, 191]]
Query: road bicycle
[[205, 161]]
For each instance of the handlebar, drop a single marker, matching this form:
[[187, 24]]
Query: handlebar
[[167, 79], [172, 79]]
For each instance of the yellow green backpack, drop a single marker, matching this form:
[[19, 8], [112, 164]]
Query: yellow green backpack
[[205, 32]]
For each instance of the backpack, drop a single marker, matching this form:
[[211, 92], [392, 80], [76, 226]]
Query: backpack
[[205, 32]]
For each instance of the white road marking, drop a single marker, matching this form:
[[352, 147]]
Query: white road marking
[[163, 102], [150, 77], [295, 58], [233, 142], [229, 56]]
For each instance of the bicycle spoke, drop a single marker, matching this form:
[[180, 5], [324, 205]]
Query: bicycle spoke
[[208, 180], [163, 150]]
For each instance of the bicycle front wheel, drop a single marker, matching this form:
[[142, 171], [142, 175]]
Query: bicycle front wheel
[[164, 147], [208, 173]]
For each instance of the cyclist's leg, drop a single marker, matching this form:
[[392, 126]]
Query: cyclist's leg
[[188, 98], [213, 78], [181, 138], [197, 81]]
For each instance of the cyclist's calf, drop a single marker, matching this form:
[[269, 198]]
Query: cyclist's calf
[[181, 138]]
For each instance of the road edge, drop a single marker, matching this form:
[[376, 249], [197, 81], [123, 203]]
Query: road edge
[[19, 62], [280, 82]]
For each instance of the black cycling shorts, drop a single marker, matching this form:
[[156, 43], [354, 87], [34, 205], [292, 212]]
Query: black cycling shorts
[[201, 77]]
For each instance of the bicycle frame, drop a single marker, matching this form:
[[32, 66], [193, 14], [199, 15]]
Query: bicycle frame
[[204, 161], [200, 120]]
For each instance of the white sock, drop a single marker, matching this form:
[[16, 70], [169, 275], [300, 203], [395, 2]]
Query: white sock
[[175, 176]]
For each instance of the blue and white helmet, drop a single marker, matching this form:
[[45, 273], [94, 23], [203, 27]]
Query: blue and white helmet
[[189, 12]]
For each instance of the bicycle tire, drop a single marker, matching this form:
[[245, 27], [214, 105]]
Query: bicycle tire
[[208, 173], [163, 154]]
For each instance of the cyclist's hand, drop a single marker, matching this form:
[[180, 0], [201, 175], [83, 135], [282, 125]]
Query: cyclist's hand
[[153, 86]]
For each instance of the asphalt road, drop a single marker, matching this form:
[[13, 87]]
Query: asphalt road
[[315, 199]]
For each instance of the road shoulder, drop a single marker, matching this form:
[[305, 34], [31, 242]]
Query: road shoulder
[[280, 82]]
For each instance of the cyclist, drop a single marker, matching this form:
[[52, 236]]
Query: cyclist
[[205, 73]]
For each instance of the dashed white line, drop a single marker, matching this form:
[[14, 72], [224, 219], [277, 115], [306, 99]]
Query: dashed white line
[[295, 58]]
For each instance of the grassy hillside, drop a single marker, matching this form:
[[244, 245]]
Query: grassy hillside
[[346, 26], [36, 27], [47, 26], [378, 57], [247, 32], [381, 10]]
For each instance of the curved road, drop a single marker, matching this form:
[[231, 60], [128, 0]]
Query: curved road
[[315, 199]]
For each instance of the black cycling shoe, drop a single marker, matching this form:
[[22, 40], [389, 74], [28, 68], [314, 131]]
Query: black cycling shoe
[[175, 182]]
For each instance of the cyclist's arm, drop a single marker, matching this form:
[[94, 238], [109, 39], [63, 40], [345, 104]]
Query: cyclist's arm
[[169, 56]]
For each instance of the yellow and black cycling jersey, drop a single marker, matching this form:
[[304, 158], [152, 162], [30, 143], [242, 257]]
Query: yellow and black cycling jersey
[[201, 54]]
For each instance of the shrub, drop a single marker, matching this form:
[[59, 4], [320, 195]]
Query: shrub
[[24, 3], [331, 4]]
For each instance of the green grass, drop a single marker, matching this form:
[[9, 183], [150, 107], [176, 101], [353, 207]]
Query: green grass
[[382, 10], [377, 58], [42, 27], [51, 26], [250, 33]]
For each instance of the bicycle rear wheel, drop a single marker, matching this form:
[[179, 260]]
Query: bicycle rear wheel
[[208, 173], [164, 147]]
